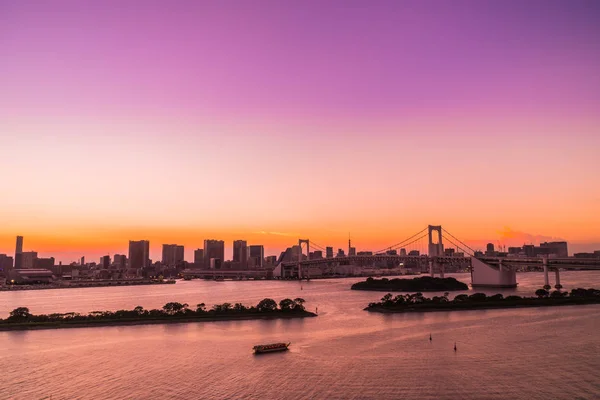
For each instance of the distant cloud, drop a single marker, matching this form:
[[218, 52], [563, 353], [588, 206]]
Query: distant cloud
[[275, 233], [518, 237]]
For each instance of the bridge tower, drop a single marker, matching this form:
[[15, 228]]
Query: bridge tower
[[435, 249], [300, 243]]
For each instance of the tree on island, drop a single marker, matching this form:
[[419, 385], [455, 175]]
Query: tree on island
[[299, 304], [200, 307], [266, 305], [542, 293], [174, 307], [20, 313], [286, 304]]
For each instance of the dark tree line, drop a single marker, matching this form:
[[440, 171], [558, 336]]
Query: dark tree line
[[169, 310]]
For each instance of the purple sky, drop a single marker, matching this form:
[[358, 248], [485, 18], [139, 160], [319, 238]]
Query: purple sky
[[303, 59], [188, 120]]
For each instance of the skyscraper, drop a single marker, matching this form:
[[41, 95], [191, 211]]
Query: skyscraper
[[240, 253], [329, 252], [172, 254], [213, 249], [257, 255], [105, 261], [19, 253], [120, 260], [139, 254], [28, 259], [199, 257]]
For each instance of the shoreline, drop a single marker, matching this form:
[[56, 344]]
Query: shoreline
[[481, 306], [88, 284], [150, 321], [415, 285]]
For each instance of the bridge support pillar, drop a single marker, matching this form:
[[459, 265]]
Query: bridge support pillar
[[442, 270], [546, 280], [558, 285], [431, 268]]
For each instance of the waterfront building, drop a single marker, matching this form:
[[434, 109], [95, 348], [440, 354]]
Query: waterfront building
[[213, 249], [215, 263], [6, 263], [104, 261], [28, 259], [139, 254], [403, 252], [317, 254], [352, 251], [329, 252], [489, 249], [172, 254], [449, 252], [558, 249], [240, 253], [199, 257], [44, 263], [257, 255], [19, 253], [414, 253], [341, 253], [120, 261], [270, 260]]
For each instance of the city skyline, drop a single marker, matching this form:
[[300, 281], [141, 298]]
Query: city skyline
[[307, 120], [156, 250]]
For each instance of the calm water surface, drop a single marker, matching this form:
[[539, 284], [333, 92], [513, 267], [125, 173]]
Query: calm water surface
[[344, 353]]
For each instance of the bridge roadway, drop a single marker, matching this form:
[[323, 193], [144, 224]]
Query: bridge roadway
[[226, 274], [554, 263], [424, 260]]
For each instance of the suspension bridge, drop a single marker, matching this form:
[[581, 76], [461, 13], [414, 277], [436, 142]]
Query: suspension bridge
[[422, 251]]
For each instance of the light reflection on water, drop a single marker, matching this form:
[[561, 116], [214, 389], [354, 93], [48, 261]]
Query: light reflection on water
[[535, 353]]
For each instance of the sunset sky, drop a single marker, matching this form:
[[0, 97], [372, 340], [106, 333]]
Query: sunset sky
[[273, 120]]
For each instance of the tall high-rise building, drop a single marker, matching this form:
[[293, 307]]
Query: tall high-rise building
[[172, 254], [257, 255], [82, 263], [489, 249], [329, 252], [199, 257], [352, 251], [120, 260], [19, 253], [403, 252], [104, 261], [213, 249], [240, 253], [28, 259], [139, 254]]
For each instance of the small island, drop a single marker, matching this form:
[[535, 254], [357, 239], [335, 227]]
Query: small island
[[21, 319], [421, 284], [480, 301]]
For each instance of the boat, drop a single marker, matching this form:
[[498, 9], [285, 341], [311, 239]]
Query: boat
[[270, 348]]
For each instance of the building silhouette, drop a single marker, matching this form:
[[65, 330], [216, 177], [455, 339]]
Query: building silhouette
[[256, 255], [172, 254], [28, 259], [120, 261], [240, 253], [199, 257], [139, 254], [19, 253], [213, 249]]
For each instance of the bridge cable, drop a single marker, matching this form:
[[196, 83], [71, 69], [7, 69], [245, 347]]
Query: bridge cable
[[400, 243], [459, 241]]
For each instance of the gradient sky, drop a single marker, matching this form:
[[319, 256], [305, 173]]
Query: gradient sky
[[269, 120]]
